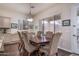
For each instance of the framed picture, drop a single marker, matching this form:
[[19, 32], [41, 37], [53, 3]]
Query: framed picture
[[14, 25], [66, 22]]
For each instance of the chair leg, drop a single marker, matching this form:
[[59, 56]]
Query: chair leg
[[29, 54], [57, 54]]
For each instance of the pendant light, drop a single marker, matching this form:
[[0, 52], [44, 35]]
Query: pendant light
[[30, 19]]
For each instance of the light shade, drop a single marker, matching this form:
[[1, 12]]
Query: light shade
[[51, 22], [30, 19], [44, 22]]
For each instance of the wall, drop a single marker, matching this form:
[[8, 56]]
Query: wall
[[14, 19], [15, 16], [65, 11]]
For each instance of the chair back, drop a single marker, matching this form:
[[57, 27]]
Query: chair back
[[39, 33], [27, 46], [25, 38], [54, 44], [49, 35], [20, 36], [30, 36], [21, 47]]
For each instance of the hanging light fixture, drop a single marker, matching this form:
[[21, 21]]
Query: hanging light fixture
[[30, 19]]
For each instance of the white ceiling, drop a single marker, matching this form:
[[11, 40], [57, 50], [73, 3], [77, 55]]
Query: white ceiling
[[25, 8]]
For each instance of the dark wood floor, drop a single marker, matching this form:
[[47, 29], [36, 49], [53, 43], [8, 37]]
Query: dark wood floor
[[12, 50], [63, 53]]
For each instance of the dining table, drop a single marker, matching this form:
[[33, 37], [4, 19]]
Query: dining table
[[34, 43], [40, 43]]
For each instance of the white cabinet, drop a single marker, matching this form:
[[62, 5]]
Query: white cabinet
[[4, 22]]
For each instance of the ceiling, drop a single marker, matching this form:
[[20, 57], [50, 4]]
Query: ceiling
[[25, 7]]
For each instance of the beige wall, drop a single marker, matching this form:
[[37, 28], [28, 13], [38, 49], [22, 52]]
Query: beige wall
[[15, 16], [65, 11]]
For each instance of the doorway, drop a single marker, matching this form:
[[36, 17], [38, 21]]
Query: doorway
[[75, 30]]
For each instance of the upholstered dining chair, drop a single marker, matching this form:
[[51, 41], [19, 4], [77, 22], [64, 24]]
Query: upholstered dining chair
[[38, 36], [53, 47], [30, 36], [28, 47], [49, 35], [21, 44], [39, 33]]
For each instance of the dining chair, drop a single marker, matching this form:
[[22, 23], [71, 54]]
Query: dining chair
[[30, 36], [21, 44], [53, 47], [49, 35], [39, 34], [28, 46]]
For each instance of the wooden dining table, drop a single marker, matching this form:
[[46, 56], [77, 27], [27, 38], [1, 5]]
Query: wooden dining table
[[39, 43], [34, 43]]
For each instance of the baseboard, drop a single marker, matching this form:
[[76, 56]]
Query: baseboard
[[65, 49]]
